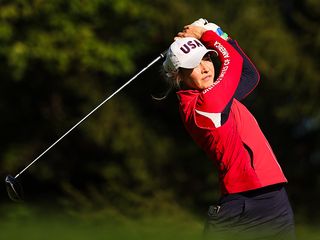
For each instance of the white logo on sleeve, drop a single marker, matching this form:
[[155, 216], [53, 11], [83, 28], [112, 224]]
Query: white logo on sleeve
[[214, 117]]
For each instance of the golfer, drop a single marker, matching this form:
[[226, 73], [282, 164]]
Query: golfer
[[253, 202]]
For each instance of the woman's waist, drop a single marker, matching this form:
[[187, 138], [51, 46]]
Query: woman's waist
[[254, 193]]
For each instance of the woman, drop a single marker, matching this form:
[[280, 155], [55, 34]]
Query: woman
[[253, 200]]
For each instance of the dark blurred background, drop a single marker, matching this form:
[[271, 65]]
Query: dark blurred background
[[59, 59]]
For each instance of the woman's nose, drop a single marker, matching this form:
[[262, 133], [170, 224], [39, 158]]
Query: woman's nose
[[204, 67]]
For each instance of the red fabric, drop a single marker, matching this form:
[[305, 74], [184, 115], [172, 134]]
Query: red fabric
[[229, 143]]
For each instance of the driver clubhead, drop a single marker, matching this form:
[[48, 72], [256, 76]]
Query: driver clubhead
[[14, 189]]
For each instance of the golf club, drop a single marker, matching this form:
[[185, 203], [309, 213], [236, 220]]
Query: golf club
[[14, 189]]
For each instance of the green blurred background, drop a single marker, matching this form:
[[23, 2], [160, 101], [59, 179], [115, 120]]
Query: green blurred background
[[131, 171]]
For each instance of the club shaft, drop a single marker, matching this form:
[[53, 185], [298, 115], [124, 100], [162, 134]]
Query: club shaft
[[95, 109]]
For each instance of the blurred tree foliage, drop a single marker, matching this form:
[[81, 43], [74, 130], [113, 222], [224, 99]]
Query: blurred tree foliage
[[59, 59]]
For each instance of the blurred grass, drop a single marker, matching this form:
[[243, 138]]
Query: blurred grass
[[24, 222], [20, 222]]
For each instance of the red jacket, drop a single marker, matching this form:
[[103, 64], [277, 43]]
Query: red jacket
[[224, 128]]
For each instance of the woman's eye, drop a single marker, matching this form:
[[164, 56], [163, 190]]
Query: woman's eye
[[207, 57]]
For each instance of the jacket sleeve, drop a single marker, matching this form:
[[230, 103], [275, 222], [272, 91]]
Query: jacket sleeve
[[249, 76], [211, 103], [216, 97]]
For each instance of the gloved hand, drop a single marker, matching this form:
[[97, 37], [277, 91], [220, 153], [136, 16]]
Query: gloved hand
[[210, 26]]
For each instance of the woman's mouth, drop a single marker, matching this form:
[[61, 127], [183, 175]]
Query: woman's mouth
[[207, 78]]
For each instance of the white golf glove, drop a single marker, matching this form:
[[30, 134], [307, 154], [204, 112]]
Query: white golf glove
[[210, 26]]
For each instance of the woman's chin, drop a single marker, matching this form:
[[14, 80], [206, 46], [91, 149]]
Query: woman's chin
[[205, 86]]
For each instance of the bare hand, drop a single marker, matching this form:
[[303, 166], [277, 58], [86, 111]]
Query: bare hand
[[191, 31]]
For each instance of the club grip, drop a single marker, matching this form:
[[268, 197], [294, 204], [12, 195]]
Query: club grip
[[163, 54]]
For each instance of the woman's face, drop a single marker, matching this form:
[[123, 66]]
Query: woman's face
[[200, 77]]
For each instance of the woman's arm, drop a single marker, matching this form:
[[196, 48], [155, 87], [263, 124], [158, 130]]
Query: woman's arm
[[216, 97], [212, 105], [249, 76]]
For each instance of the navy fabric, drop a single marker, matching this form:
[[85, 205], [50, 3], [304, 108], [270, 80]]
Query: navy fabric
[[260, 214]]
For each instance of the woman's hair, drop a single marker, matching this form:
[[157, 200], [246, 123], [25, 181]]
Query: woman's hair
[[172, 81]]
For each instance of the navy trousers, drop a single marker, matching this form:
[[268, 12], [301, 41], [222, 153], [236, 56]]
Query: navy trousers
[[259, 214]]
